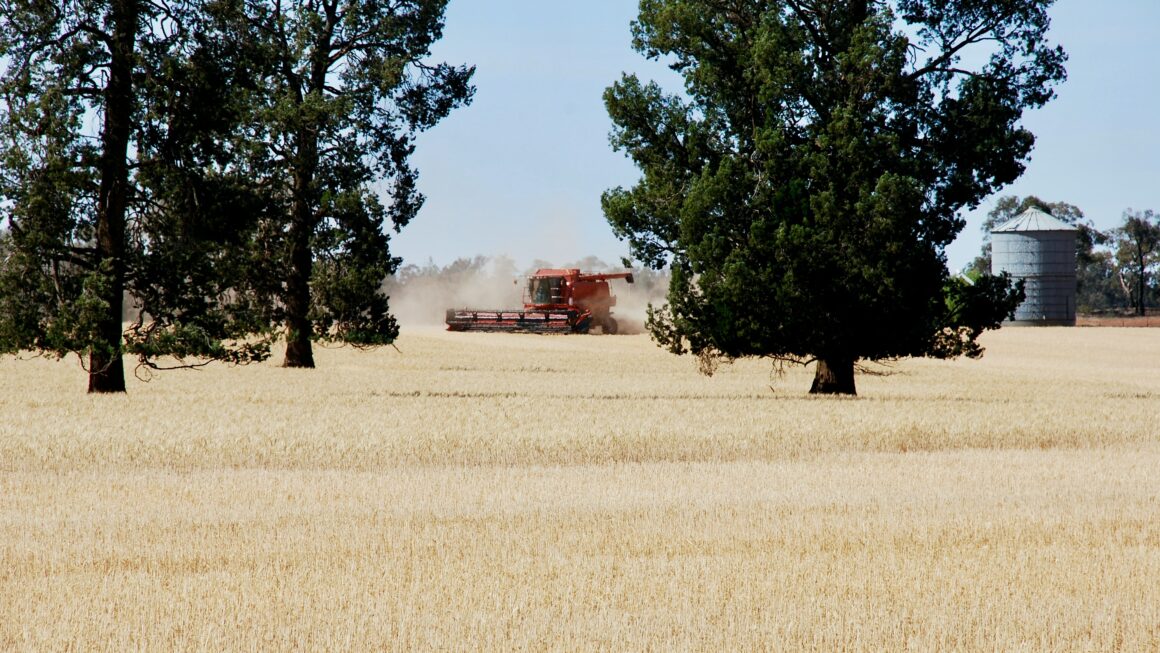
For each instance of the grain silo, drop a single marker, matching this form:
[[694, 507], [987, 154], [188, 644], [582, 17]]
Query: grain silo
[[1040, 250]]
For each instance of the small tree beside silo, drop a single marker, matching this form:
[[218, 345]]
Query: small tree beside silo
[[806, 186]]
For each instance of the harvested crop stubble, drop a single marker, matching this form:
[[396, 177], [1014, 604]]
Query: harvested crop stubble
[[512, 492]]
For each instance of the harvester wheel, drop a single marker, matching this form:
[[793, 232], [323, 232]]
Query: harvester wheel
[[609, 327], [583, 325]]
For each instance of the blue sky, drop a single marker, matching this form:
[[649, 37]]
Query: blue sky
[[521, 170]]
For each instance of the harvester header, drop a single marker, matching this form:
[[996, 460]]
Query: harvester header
[[555, 301]]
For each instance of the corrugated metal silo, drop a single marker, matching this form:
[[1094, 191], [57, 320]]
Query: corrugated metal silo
[[1040, 249]]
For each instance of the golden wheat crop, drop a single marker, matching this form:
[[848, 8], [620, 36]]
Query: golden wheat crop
[[511, 492]]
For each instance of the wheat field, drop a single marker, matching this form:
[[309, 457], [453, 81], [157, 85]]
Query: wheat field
[[518, 492]]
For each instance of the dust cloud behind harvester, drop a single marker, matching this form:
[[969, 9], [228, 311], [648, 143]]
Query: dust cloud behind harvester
[[421, 295]]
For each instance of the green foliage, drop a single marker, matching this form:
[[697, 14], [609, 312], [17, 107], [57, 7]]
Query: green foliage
[[348, 303], [1137, 253], [33, 318], [806, 184], [973, 306]]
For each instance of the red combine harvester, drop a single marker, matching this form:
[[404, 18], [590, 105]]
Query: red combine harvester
[[555, 301]]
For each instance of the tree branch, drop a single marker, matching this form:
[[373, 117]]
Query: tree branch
[[974, 36]]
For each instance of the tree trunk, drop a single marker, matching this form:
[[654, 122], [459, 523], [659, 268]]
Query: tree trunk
[[1141, 287], [299, 352], [299, 328], [304, 220], [106, 367], [834, 376]]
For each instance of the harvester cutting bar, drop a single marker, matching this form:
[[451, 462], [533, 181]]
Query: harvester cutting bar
[[538, 321]]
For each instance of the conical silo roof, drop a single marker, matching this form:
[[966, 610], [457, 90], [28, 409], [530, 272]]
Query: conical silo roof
[[1033, 219]]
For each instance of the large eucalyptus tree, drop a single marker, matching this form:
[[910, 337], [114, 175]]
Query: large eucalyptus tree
[[805, 184], [113, 179], [349, 86]]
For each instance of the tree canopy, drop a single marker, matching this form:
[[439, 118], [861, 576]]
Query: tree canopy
[[1137, 252], [805, 184]]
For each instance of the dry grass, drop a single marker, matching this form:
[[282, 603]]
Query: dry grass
[[571, 493]]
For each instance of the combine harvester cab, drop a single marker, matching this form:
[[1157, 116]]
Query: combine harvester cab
[[555, 301]]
